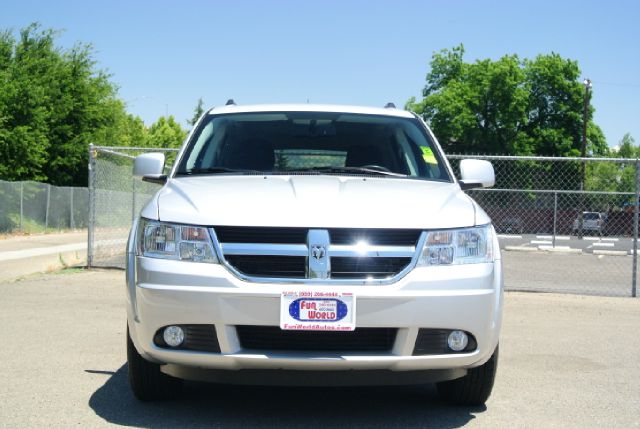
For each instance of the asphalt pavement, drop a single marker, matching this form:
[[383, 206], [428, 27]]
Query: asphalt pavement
[[566, 361]]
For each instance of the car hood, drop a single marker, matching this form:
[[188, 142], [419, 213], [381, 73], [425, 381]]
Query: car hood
[[314, 201]]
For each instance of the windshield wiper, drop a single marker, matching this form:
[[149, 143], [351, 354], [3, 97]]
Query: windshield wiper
[[217, 170], [375, 170]]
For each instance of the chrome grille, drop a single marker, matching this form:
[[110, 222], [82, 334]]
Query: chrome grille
[[316, 254]]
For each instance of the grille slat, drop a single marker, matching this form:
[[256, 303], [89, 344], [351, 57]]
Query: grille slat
[[273, 338], [380, 237], [345, 268], [269, 266], [431, 342], [243, 234]]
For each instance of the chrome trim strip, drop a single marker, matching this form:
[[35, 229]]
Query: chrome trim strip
[[264, 249], [342, 250], [339, 250], [299, 281]]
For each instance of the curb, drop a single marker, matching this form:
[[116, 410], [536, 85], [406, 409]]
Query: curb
[[17, 269], [550, 249]]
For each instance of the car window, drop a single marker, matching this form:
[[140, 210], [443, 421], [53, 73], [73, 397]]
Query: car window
[[297, 142]]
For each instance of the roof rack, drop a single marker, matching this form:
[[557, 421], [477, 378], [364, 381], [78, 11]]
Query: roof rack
[[230, 102], [389, 105]]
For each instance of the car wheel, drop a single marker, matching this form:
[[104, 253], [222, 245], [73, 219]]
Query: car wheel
[[472, 389], [145, 378]]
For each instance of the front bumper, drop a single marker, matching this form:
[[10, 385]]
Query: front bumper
[[164, 292]]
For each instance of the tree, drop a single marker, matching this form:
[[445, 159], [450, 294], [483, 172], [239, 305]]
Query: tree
[[197, 112], [615, 177], [53, 103], [507, 106], [166, 133]]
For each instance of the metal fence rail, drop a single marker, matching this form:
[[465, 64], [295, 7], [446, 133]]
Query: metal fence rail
[[565, 213]]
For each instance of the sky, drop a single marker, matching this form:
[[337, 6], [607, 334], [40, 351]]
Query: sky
[[165, 55]]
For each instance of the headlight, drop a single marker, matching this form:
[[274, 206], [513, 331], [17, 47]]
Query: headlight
[[179, 242], [458, 246]]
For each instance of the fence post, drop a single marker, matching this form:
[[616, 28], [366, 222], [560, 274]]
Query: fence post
[[634, 274], [72, 223], [92, 205], [555, 216], [21, 205], [46, 211]]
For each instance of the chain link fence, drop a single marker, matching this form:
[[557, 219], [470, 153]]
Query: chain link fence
[[565, 224], [115, 199], [578, 215], [33, 207]]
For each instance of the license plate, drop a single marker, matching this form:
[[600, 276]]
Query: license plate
[[317, 311]]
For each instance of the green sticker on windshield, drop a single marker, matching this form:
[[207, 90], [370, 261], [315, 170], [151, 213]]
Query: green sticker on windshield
[[427, 155]]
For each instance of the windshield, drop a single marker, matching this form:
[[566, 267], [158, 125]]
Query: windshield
[[313, 143]]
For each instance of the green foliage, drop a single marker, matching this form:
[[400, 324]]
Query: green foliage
[[197, 112], [53, 103], [166, 133], [507, 106], [615, 177]]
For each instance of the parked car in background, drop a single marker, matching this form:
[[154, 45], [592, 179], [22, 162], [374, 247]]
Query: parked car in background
[[510, 225], [592, 222]]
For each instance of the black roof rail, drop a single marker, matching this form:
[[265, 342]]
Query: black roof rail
[[230, 102], [389, 105]]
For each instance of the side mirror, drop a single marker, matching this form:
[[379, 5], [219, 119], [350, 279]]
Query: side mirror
[[476, 173], [150, 166]]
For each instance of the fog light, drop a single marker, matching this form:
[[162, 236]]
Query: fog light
[[174, 336], [457, 341]]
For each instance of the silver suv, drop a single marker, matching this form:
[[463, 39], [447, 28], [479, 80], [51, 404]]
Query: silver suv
[[313, 245]]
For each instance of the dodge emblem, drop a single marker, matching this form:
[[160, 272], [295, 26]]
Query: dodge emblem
[[318, 252]]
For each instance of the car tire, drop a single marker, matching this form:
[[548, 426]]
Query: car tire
[[147, 382], [474, 388]]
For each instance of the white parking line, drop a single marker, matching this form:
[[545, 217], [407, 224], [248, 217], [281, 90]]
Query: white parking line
[[560, 249], [610, 239], [541, 242], [508, 236], [563, 237], [603, 244], [591, 238], [544, 237]]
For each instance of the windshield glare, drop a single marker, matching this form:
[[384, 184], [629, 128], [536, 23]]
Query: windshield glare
[[313, 142]]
